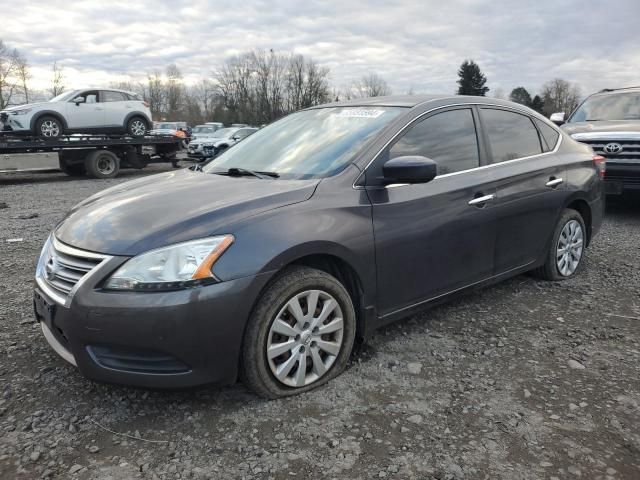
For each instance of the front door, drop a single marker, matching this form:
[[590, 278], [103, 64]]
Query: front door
[[530, 185], [437, 237], [85, 115]]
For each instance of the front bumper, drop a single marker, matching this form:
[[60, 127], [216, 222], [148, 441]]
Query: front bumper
[[157, 340], [14, 123], [621, 177]]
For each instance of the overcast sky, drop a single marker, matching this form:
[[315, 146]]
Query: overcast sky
[[416, 44]]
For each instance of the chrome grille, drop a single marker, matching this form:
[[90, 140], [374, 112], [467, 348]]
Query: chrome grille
[[630, 149], [62, 267]]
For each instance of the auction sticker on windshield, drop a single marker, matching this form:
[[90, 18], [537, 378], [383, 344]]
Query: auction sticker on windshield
[[359, 113]]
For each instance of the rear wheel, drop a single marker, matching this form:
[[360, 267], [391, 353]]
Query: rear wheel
[[48, 127], [300, 334], [567, 247], [137, 127], [102, 164]]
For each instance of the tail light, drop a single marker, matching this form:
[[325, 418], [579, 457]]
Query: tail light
[[146, 104], [601, 164]]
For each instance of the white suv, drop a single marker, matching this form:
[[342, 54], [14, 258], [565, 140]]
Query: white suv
[[80, 111]]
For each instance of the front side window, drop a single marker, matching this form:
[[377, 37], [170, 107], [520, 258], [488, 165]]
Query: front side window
[[90, 96], [448, 138], [109, 96], [511, 135], [313, 143]]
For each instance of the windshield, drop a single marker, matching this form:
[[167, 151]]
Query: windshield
[[616, 106], [63, 96], [225, 132], [309, 144], [203, 130]]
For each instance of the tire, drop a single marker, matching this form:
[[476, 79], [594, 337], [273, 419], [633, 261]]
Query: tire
[[571, 228], [137, 127], [102, 164], [48, 126], [297, 284], [71, 169]]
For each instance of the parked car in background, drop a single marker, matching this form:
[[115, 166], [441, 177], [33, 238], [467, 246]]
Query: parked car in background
[[268, 262], [213, 145], [80, 111], [202, 130], [216, 125], [609, 121], [239, 125]]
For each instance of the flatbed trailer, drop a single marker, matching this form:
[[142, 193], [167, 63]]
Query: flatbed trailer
[[96, 156]]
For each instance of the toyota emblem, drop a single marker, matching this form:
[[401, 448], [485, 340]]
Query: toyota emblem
[[612, 148]]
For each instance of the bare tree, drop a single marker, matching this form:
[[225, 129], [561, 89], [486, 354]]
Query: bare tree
[[372, 85], [8, 69], [155, 94], [560, 95], [23, 76], [57, 82], [174, 92], [258, 87]]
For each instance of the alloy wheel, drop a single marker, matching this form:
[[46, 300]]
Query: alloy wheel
[[138, 128], [569, 248], [50, 128], [305, 338]]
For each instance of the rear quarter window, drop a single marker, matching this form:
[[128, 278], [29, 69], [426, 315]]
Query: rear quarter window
[[511, 135], [549, 135]]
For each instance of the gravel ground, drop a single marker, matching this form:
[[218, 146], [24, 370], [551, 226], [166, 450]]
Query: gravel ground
[[524, 380]]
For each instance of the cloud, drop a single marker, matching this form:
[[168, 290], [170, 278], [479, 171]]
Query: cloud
[[414, 45]]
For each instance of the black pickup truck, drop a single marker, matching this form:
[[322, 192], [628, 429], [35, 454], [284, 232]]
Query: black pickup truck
[[609, 121]]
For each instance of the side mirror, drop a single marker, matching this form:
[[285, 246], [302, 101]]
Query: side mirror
[[236, 137], [79, 100], [410, 169], [557, 118]]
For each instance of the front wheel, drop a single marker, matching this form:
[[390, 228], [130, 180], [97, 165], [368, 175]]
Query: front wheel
[[567, 247], [300, 334], [49, 127]]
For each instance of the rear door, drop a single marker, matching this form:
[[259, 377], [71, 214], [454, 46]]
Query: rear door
[[530, 184], [436, 237], [88, 114], [116, 106]]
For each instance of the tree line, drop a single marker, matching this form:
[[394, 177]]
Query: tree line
[[258, 87], [556, 95]]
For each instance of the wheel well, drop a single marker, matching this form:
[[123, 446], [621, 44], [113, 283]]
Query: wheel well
[[346, 274], [584, 210], [57, 116]]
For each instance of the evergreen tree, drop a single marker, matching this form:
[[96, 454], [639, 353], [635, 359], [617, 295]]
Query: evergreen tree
[[520, 95], [537, 104], [472, 81]]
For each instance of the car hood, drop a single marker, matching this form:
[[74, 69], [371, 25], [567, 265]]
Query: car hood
[[604, 129], [25, 105], [173, 207]]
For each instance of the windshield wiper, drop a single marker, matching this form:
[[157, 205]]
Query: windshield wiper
[[240, 172]]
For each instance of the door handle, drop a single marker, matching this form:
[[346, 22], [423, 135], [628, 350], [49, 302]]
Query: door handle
[[99, 108], [554, 182], [480, 201]]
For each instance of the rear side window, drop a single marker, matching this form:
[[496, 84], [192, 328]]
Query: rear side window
[[549, 135], [511, 135], [448, 138], [108, 96]]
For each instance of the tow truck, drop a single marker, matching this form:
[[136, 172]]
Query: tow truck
[[96, 156]]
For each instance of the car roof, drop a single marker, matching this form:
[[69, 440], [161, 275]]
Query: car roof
[[613, 91], [410, 101]]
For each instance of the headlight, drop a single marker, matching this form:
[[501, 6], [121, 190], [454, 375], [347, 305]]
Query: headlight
[[179, 266], [22, 111]]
